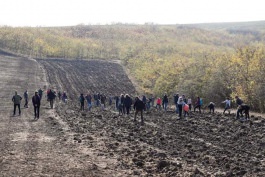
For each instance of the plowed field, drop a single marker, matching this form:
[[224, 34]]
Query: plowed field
[[68, 142]]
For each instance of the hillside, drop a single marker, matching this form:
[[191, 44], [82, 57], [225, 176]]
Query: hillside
[[65, 141], [212, 61]]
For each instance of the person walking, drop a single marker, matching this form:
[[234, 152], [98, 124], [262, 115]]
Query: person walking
[[16, 99], [103, 99], [152, 100], [122, 99], [51, 96], [239, 102], [176, 98], [198, 104], [227, 105], [26, 97], [165, 102], [36, 104], [186, 110], [144, 99], [127, 103], [110, 100], [64, 97], [40, 92], [180, 106], [189, 103], [89, 101], [117, 102], [158, 103], [139, 106], [82, 102]]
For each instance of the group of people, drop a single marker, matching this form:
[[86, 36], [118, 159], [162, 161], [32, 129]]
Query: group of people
[[125, 103], [36, 101]]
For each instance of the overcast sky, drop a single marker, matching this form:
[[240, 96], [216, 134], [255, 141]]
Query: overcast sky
[[74, 12]]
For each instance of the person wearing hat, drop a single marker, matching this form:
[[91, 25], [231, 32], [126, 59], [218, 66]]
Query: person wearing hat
[[36, 105], [16, 99]]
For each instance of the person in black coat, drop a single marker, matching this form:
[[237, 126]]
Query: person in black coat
[[245, 109], [127, 103], [51, 96], [82, 102], [165, 102], [239, 102], [36, 105], [211, 106], [139, 106]]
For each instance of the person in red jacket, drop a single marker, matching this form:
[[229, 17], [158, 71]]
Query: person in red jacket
[[158, 103], [36, 105]]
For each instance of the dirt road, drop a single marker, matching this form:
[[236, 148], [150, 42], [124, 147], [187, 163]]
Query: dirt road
[[29, 147]]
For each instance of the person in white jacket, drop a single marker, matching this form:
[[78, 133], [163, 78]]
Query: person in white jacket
[[180, 106], [227, 105]]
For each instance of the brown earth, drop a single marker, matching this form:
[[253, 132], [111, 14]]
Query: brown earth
[[67, 142]]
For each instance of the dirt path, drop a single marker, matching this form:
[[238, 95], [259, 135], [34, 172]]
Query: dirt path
[[35, 148]]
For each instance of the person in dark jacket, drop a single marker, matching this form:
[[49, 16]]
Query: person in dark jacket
[[198, 104], [110, 100], [117, 102], [103, 100], [139, 107], [121, 105], [36, 104], [89, 101], [165, 102], [16, 99], [148, 104], [26, 97], [239, 102], [51, 96], [211, 106], [144, 101], [245, 109], [64, 97], [127, 103], [176, 98], [82, 102], [98, 99], [40, 92]]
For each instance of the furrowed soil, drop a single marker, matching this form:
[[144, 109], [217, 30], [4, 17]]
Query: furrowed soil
[[68, 142]]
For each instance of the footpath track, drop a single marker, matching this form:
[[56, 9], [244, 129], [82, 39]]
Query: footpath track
[[34, 147]]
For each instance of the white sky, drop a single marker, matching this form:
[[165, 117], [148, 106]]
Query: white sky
[[74, 12]]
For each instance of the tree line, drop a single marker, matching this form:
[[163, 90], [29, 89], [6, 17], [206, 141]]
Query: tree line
[[209, 63]]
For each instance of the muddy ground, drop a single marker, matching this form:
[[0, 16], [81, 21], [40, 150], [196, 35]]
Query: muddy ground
[[68, 142]]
